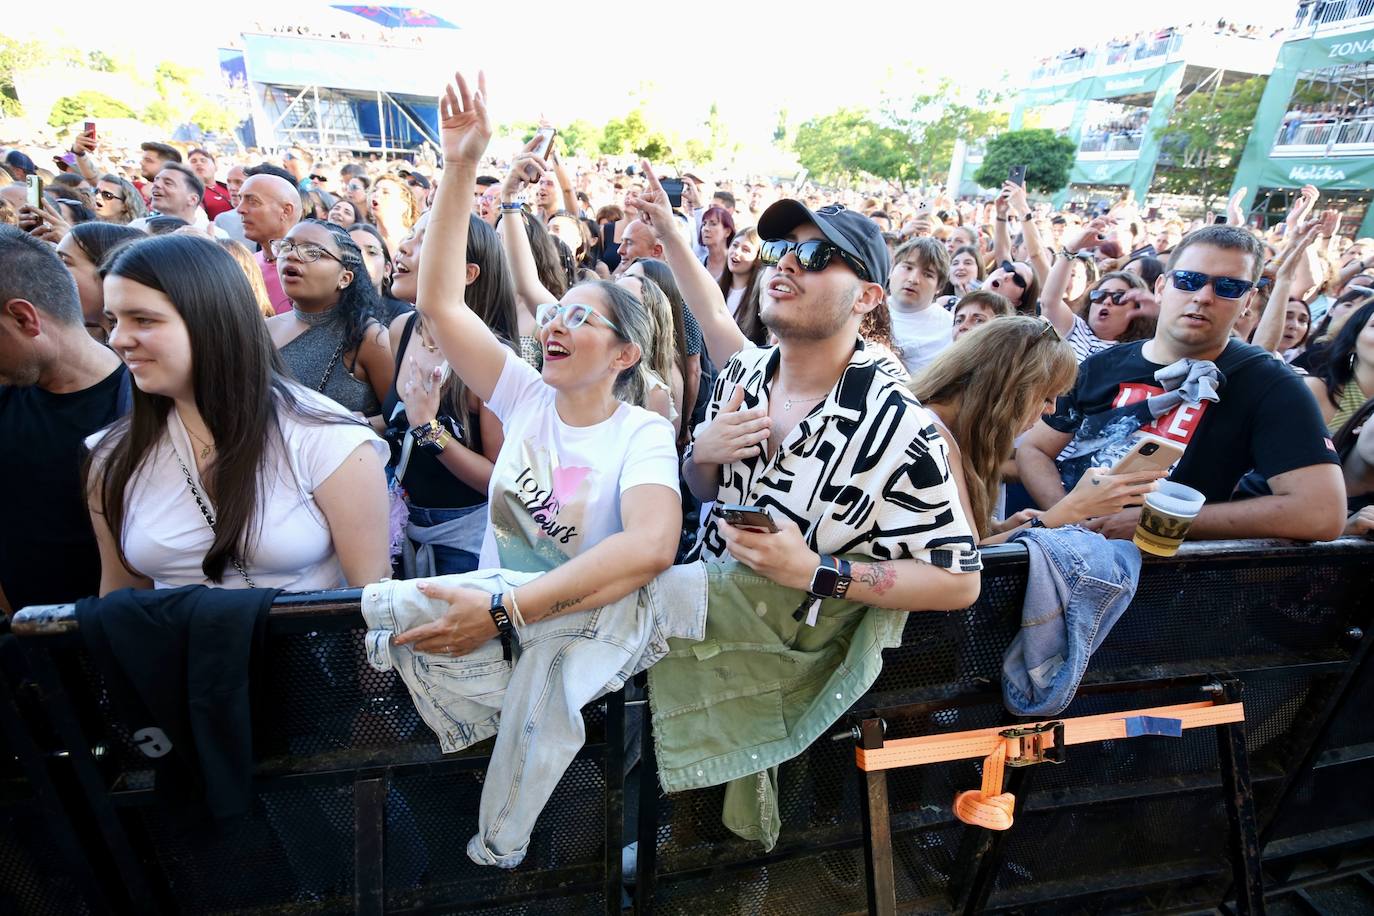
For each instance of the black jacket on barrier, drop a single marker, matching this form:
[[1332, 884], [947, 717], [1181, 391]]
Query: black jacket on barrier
[[178, 664]]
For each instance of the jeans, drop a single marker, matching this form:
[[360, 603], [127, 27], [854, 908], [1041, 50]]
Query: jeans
[[443, 542], [563, 664]]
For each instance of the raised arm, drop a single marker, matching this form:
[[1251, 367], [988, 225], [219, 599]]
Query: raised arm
[[1052, 304], [1001, 235], [470, 347], [1269, 330], [565, 185], [1035, 249], [699, 289], [527, 169]]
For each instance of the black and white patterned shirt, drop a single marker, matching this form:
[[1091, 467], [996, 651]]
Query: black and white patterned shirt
[[865, 472]]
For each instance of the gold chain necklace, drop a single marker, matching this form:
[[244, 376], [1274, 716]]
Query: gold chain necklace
[[208, 446]]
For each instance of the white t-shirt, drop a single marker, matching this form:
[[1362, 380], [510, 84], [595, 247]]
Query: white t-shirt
[[165, 536], [733, 300], [555, 489], [920, 336]]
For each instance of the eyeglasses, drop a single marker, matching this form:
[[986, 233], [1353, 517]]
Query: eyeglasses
[[813, 255], [1012, 275], [1190, 281], [1098, 295], [574, 315], [108, 195], [305, 253]]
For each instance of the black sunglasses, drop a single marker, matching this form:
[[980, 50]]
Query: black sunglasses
[[813, 255], [1016, 278], [108, 195], [1190, 281], [1098, 295]]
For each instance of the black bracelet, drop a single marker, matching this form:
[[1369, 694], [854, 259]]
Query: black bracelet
[[501, 618]]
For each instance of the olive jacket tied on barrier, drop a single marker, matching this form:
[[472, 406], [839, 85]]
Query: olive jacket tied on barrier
[[759, 690]]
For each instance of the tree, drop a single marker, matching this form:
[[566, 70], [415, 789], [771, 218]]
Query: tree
[[580, 138], [632, 134], [934, 119], [1046, 156], [846, 145], [86, 104], [1200, 147], [16, 56]]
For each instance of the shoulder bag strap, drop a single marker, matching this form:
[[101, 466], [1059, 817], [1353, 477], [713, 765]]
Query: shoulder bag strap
[[205, 513]]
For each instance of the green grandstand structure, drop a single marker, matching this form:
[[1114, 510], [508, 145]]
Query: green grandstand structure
[[1112, 99], [1315, 124]]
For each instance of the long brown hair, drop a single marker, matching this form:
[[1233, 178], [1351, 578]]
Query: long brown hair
[[748, 315], [240, 387], [996, 375]]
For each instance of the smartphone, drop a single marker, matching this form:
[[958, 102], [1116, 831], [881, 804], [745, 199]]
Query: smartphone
[[1017, 175], [1219, 219], [545, 147], [673, 188], [90, 129], [748, 517], [35, 192], [1148, 453]]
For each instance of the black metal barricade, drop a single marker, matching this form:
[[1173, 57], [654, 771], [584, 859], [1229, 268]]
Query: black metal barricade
[[356, 810], [1135, 825]]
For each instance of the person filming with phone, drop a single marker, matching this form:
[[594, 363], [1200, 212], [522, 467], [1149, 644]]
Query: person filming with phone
[[1232, 407]]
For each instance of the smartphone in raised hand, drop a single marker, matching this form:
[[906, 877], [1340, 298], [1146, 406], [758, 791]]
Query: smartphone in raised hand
[[545, 148], [35, 192], [1017, 176]]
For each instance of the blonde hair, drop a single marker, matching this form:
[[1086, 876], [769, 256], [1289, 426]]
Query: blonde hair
[[249, 265], [996, 377], [659, 357]]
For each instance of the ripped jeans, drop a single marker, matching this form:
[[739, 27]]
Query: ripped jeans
[[563, 663]]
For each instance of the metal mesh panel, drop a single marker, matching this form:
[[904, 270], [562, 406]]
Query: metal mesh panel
[[296, 847], [33, 879]]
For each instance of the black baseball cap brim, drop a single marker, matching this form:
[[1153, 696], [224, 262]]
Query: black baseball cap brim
[[855, 234]]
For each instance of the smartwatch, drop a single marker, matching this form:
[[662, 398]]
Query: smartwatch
[[831, 579]]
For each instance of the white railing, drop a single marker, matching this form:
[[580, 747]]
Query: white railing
[[1333, 134]]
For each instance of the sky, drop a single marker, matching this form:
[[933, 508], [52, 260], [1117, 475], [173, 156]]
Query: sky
[[750, 59]]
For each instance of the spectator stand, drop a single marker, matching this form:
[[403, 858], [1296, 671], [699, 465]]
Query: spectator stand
[[356, 809]]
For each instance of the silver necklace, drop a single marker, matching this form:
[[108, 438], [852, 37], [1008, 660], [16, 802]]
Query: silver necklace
[[788, 400]]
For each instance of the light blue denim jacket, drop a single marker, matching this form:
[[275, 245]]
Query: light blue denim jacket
[[563, 664], [1079, 585]]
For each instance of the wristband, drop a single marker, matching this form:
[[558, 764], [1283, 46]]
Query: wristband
[[1001, 219], [502, 621], [517, 618]]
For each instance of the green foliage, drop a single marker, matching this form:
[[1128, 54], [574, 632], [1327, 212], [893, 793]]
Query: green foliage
[[933, 119], [14, 56], [1046, 156], [580, 138], [633, 135], [1201, 146], [86, 104], [780, 129], [845, 146]]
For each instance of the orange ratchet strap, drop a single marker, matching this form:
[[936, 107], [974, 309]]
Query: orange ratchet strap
[[1042, 742]]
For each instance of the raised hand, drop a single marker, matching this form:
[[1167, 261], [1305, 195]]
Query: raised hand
[[1302, 238], [655, 210], [1235, 216], [1092, 235], [464, 129], [526, 169]]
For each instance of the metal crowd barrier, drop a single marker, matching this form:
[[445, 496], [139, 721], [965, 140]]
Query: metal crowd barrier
[[357, 811]]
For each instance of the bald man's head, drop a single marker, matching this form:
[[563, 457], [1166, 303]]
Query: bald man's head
[[269, 206]]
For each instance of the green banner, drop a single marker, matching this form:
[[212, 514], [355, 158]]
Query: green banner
[[1320, 53], [1102, 171], [1130, 83], [1354, 173]]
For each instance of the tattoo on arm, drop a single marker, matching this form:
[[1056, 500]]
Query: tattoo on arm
[[879, 577], [565, 604]]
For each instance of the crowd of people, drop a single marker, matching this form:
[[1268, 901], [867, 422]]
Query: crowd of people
[[569, 390], [1351, 121], [1143, 45], [1125, 131]]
